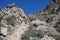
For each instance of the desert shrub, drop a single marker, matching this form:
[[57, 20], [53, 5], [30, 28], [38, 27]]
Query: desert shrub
[[57, 26], [11, 20], [34, 33], [57, 38], [1, 17], [33, 25], [25, 37], [10, 30]]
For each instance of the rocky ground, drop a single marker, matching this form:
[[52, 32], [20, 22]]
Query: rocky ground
[[41, 25]]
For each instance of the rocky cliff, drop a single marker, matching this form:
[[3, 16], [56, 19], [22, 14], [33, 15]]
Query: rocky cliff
[[41, 25]]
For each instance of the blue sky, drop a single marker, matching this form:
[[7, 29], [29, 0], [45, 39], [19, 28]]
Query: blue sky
[[29, 6]]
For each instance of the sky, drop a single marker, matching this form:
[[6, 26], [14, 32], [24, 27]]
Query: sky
[[29, 6]]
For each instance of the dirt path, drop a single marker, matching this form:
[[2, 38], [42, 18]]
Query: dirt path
[[19, 30]]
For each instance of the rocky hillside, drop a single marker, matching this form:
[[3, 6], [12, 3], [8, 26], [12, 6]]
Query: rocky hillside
[[11, 19], [47, 20], [41, 25], [49, 14]]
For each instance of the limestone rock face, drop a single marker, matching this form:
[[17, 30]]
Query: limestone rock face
[[42, 25]]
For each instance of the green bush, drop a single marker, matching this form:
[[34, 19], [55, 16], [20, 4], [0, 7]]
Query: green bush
[[1, 17], [33, 25], [25, 37], [34, 33], [57, 26], [58, 38], [11, 20], [9, 30]]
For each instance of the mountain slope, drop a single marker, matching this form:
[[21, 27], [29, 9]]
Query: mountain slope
[[42, 25], [12, 23], [50, 15]]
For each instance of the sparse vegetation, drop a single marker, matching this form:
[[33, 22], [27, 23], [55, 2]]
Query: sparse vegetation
[[9, 30], [57, 26], [25, 37], [1, 17], [11, 20], [32, 33], [57, 38], [33, 25], [50, 15]]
